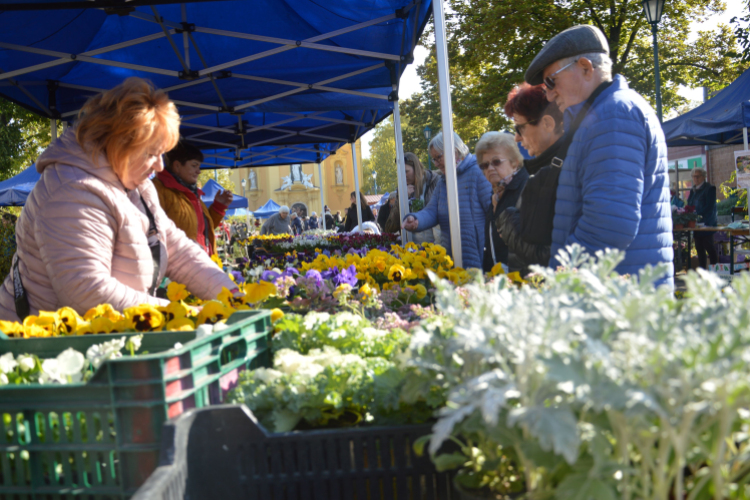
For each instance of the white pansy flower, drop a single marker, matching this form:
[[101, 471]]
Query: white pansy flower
[[26, 362], [3, 379], [50, 372], [204, 330], [70, 363], [7, 363], [134, 342]]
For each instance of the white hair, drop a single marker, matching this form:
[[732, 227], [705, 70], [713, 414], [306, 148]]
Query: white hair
[[492, 140], [437, 144], [283, 209], [599, 60]]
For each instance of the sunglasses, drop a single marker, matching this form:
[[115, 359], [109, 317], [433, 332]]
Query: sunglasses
[[496, 162], [549, 82], [519, 128]]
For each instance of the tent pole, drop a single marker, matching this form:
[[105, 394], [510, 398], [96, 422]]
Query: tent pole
[[446, 113], [64, 126], [53, 128], [744, 137], [403, 195], [356, 185], [322, 197]]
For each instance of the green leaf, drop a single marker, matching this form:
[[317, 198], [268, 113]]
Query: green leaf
[[582, 487], [449, 461], [420, 443], [555, 428]]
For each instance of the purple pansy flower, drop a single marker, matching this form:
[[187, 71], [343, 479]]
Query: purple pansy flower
[[238, 278], [312, 274], [270, 276]]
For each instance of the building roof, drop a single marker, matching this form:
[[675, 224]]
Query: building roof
[[373, 198]]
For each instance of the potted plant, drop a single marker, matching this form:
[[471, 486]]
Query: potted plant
[[685, 217]]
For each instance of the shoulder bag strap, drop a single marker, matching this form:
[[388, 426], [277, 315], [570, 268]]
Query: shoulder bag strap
[[154, 246], [19, 292]]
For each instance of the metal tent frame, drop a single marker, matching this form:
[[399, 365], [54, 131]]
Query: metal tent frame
[[247, 115]]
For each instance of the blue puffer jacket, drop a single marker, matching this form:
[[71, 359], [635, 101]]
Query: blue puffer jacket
[[614, 184], [474, 202]]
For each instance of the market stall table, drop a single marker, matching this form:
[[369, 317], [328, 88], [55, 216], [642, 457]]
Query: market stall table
[[742, 234]]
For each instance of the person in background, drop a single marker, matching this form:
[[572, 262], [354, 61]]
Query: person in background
[[474, 202], [351, 213], [675, 201], [384, 212], [313, 223], [703, 198], [527, 228], [501, 162], [420, 185], [330, 224], [296, 224], [180, 196], [92, 231], [337, 218], [613, 190], [278, 223]]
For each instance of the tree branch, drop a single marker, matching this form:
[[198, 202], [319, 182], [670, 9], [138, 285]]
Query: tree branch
[[595, 17], [631, 40], [695, 65]]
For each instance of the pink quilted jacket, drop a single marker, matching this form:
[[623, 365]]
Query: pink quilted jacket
[[82, 242]]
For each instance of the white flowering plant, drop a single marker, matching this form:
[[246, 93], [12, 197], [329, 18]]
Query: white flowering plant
[[70, 366], [330, 371], [591, 385]]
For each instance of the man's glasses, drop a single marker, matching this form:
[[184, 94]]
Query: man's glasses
[[519, 128], [437, 158], [495, 162], [549, 82]]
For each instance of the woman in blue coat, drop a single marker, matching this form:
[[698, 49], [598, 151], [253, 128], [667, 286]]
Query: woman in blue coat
[[474, 203]]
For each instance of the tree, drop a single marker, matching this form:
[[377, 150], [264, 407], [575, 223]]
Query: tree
[[742, 32], [222, 177], [382, 159], [23, 137], [492, 43]]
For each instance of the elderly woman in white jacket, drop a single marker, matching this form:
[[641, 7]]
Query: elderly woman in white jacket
[[92, 230]]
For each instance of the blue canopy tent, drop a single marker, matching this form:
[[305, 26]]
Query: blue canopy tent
[[240, 212], [262, 83], [212, 187], [267, 210], [723, 119], [14, 191]]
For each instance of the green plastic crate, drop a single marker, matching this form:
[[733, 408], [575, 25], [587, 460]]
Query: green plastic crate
[[100, 439]]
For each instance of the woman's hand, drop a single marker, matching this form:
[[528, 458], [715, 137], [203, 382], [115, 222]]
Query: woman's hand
[[410, 190], [410, 223], [224, 197]]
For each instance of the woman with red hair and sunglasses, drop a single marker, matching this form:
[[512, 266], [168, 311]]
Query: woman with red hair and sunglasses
[[527, 228]]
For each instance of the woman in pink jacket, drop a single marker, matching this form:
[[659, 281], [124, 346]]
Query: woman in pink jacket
[[92, 230]]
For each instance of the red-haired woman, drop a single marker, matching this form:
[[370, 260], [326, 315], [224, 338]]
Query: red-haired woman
[[527, 228], [92, 231]]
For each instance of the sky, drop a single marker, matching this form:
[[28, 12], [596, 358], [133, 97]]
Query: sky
[[410, 81]]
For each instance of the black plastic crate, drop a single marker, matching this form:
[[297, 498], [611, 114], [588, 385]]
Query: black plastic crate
[[223, 452]]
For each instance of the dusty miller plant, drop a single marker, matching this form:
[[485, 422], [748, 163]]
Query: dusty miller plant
[[598, 386]]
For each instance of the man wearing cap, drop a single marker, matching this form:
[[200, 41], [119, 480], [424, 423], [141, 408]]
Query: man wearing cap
[[614, 184], [278, 223]]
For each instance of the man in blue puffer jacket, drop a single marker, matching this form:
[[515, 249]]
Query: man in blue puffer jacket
[[474, 203], [614, 184]]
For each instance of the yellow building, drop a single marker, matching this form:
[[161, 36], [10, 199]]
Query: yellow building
[[298, 185]]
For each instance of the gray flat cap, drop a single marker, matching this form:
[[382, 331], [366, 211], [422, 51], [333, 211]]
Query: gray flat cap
[[581, 39]]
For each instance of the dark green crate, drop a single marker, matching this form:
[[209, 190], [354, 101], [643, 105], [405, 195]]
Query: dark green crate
[[100, 439]]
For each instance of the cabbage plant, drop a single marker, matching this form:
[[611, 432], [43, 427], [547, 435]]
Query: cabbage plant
[[595, 385]]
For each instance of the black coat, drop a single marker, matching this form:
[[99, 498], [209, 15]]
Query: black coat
[[351, 216], [492, 237], [526, 228], [385, 212]]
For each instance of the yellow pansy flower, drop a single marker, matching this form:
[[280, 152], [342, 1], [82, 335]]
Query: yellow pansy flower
[[36, 331], [342, 289], [99, 325], [68, 320], [217, 261], [103, 311], [276, 314], [176, 310], [515, 277], [497, 269], [258, 292], [396, 273], [145, 318], [180, 325], [46, 320], [11, 328], [212, 312], [420, 290], [177, 291]]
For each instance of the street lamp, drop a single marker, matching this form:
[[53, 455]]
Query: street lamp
[[653, 10], [427, 134]]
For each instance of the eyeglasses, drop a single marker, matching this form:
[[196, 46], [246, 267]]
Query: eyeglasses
[[549, 82], [495, 162], [437, 158], [519, 128]]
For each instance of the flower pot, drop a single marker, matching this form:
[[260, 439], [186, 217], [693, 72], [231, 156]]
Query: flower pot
[[678, 226], [691, 223]]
